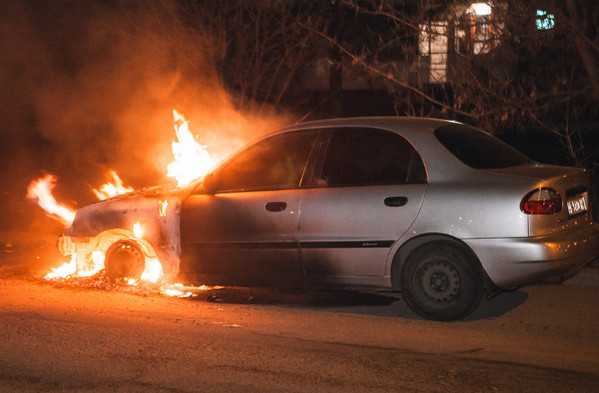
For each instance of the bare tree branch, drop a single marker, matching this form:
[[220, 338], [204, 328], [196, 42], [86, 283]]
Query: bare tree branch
[[386, 75]]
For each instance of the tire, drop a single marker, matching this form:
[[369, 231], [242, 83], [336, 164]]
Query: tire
[[124, 259], [441, 281]]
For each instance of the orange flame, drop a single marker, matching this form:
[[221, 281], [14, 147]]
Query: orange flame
[[40, 190], [153, 271], [192, 160], [112, 188], [96, 265], [65, 270], [175, 290], [138, 230], [162, 208], [78, 268]]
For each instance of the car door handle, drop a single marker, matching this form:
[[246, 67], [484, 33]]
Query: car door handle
[[276, 206], [396, 201]]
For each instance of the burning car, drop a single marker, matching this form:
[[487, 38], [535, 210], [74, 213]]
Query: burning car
[[438, 210]]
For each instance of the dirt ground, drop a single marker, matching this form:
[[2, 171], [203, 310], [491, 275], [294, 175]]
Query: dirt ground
[[64, 338]]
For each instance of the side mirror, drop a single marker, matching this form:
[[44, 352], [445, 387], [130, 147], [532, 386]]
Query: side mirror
[[210, 184]]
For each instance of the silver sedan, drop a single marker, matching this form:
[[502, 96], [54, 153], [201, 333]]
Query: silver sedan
[[441, 211]]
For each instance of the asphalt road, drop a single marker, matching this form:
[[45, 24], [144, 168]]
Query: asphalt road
[[71, 339]]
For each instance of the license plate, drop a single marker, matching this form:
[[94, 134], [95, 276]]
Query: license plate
[[579, 204]]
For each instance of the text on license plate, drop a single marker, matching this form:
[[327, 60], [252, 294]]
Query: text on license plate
[[578, 204]]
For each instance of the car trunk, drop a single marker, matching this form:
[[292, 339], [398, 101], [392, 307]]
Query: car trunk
[[572, 184]]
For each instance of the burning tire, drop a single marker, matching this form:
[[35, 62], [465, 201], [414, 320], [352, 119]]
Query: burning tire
[[124, 259]]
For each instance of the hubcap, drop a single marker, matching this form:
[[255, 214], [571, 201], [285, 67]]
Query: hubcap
[[440, 281]]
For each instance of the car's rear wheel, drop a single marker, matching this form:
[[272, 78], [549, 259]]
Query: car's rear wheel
[[124, 259], [441, 281]]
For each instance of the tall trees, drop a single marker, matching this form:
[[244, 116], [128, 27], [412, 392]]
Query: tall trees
[[502, 64]]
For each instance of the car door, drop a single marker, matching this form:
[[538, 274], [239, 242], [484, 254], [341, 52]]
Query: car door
[[245, 232], [363, 196]]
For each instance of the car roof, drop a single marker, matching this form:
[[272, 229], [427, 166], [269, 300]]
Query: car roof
[[403, 123]]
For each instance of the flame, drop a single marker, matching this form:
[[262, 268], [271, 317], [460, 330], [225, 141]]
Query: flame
[[153, 271], [93, 268], [138, 230], [175, 290], [40, 190], [77, 267], [183, 291], [153, 275], [112, 188], [162, 208], [65, 270], [192, 160]]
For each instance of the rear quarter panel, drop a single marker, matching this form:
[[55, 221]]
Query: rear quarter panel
[[474, 209], [468, 209]]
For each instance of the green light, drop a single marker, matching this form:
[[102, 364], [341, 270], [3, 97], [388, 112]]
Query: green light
[[545, 20]]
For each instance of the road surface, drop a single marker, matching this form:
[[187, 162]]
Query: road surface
[[61, 338]]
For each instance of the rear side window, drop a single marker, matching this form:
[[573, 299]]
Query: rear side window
[[274, 163], [478, 149], [368, 156]]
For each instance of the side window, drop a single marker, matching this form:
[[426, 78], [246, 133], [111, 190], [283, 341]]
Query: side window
[[274, 163], [368, 156]]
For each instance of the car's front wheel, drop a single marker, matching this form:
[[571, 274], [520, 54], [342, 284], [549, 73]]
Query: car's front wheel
[[441, 281], [124, 259]]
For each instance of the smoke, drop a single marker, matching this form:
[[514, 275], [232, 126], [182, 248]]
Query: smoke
[[90, 86]]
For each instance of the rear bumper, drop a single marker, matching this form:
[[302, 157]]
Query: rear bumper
[[512, 262]]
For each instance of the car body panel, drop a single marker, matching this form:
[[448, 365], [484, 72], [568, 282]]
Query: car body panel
[[238, 241], [348, 231], [478, 208], [472, 209], [157, 212], [512, 262]]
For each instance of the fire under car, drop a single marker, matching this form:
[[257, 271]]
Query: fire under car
[[437, 210]]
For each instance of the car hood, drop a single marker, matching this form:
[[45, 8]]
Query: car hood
[[147, 206]]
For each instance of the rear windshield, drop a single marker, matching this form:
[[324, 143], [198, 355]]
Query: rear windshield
[[478, 149]]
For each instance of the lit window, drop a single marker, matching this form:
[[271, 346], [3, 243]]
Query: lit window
[[545, 20], [480, 9]]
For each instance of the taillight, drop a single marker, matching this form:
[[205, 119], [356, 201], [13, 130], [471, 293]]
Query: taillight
[[542, 201]]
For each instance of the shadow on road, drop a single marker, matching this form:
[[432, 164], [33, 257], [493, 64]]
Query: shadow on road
[[21, 261], [499, 305], [355, 302]]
